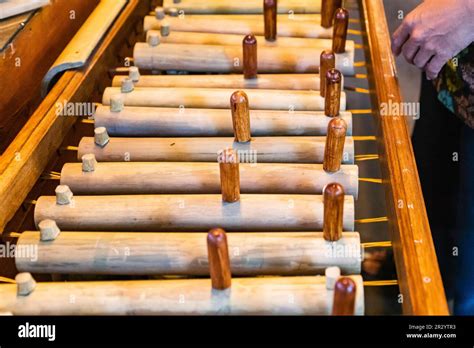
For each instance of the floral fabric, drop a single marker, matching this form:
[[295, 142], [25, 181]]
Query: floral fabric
[[455, 85]]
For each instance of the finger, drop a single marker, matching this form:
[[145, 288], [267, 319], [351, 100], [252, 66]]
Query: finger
[[435, 65], [409, 50], [422, 58], [399, 37]]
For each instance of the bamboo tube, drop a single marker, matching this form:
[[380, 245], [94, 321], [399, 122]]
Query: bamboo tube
[[229, 59], [190, 213], [240, 26], [218, 256], [242, 6], [259, 150], [218, 98], [145, 121], [249, 296], [135, 253], [198, 177], [197, 38], [281, 17], [235, 81]]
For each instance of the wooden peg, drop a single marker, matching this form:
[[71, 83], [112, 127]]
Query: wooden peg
[[165, 28], [327, 62], [332, 275], [88, 162], [249, 47], [117, 103], [127, 85], [344, 297], [101, 137], [341, 24], [230, 176], [333, 201], [25, 284], [328, 9], [153, 39], [270, 18], [134, 73], [218, 254], [334, 149], [332, 93], [173, 12], [49, 230], [239, 105], [63, 195], [159, 12]]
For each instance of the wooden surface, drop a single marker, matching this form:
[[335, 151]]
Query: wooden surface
[[242, 6], [34, 49], [199, 149], [218, 98], [154, 121], [248, 296], [253, 212], [28, 155], [417, 267], [228, 59], [237, 81], [196, 177], [167, 253]]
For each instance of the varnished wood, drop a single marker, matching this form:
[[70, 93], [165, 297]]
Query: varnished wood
[[417, 268], [229, 175], [219, 264], [327, 61], [334, 149], [345, 292], [328, 8], [333, 212], [249, 47], [270, 19], [239, 106], [341, 24], [332, 94]]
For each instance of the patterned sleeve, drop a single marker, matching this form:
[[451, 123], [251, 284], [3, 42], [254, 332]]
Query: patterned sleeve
[[455, 85]]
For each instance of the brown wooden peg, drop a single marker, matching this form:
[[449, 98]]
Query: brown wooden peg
[[332, 93], [230, 176], [219, 263], [334, 149], [333, 200], [341, 24], [239, 105], [270, 18], [249, 47], [344, 297], [327, 62], [328, 9]]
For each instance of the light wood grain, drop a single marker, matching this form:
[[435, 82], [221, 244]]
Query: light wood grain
[[218, 98], [166, 253], [248, 296], [228, 58], [154, 121], [201, 177], [199, 149], [254, 212], [243, 6]]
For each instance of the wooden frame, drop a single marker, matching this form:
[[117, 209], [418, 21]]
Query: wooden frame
[[420, 281], [417, 266]]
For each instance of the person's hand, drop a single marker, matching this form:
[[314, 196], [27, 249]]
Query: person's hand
[[435, 32]]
